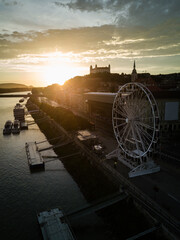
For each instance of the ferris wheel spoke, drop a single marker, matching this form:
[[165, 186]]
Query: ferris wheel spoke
[[143, 130], [121, 130], [136, 141], [137, 104], [126, 136], [140, 138], [147, 136], [125, 131], [143, 113], [128, 108], [143, 105], [142, 95], [118, 118], [145, 125], [123, 114], [119, 125], [146, 141]]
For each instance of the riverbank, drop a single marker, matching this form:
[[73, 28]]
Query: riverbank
[[89, 179]]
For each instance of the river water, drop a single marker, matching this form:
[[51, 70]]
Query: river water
[[23, 194]]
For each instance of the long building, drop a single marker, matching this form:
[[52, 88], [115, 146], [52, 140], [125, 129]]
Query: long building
[[100, 107]]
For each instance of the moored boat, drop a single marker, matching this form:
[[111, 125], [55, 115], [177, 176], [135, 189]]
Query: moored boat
[[21, 100], [16, 127], [7, 127]]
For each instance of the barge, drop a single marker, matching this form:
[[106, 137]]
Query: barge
[[53, 225], [34, 157]]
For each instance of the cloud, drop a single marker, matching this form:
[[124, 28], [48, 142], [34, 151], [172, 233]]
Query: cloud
[[129, 12], [83, 5], [10, 3], [149, 13], [101, 42]]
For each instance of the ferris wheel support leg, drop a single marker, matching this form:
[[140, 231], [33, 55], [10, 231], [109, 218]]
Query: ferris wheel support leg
[[113, 154], [117, 153], [145, 168]]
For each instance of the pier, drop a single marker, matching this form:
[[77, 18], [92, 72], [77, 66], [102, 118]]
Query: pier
[[54, 225], [96, 206], [35, 159]]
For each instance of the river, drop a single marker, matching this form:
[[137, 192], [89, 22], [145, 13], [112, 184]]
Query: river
[[22, 194]]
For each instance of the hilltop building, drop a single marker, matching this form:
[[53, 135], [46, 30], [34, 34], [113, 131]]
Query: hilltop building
[[97, 69]]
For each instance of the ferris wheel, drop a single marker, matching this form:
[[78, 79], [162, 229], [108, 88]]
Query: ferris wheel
[[135, 118]]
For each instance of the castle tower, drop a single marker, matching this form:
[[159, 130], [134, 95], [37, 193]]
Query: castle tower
[[134, 75], [90, 69]]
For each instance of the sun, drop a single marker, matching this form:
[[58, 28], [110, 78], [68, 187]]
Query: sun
[[58, 73]]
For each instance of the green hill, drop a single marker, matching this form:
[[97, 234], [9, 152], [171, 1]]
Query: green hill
[[12, 85]]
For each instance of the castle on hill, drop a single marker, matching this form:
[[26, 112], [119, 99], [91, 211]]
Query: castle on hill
[[97, 69]]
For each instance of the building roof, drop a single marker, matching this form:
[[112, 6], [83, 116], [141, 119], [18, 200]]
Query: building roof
[[84, 135], [105, 97], [108, 97]]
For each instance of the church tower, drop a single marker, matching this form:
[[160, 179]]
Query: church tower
[[134, 75]]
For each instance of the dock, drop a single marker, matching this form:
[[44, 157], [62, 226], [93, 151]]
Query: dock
[[52, 227], [35, 159], [98, 205]]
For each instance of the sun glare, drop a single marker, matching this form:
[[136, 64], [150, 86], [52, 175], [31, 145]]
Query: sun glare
[[58, 74]]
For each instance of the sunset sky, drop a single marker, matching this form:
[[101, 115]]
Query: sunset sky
[[43, 42]]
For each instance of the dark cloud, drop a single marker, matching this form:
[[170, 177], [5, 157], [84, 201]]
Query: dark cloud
[[60, 4], [130, 12], [10, 3], [83, 5], [150, 12]]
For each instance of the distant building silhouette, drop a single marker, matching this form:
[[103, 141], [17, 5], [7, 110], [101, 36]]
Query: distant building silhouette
[[97, 69], [134, 75]]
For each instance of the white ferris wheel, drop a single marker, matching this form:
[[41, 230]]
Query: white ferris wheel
[[135, 119]]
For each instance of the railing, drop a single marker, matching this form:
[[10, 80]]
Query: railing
[[146, 201], [167, 156]]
